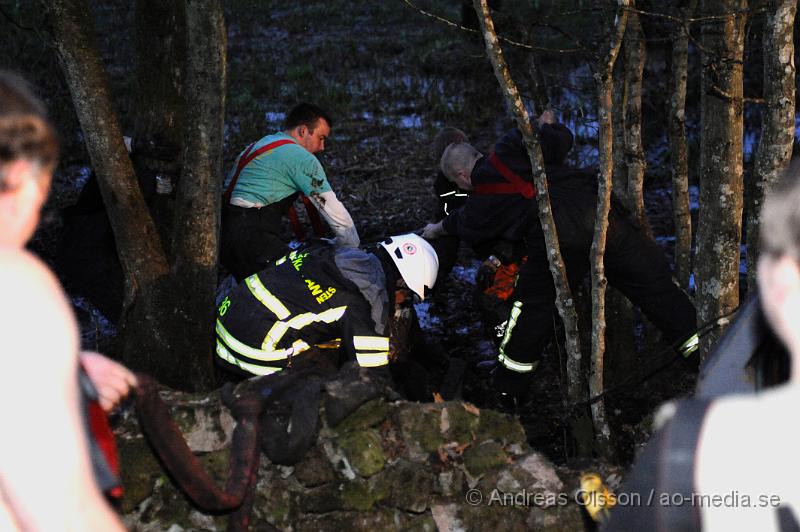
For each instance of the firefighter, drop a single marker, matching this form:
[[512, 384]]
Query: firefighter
[[263, 184], [317, 294], [502, 205], [501, 258]]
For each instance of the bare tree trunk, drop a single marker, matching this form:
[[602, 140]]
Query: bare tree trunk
[[679, 156], [165, 317], [564, 300], [605, 86], [635, 55], [158, 117], [138, 243], [719, 229], [619, 311], [196, 233], [777, 126], [620, 101]]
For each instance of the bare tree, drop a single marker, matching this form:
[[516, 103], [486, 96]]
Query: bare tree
[[635, 56], [719, 229], [679, 153], [777, 126], [165, 324], [564, 300], [604, 78]]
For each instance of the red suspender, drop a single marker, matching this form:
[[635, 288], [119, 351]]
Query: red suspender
[[514, 183], [313, 215], [245, 159]]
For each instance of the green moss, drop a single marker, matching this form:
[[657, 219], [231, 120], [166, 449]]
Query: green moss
[[364, 452], [479, 459], [497, 426], [462, 424], [139, 470], [357, 496], [421, 426], [367, 415]]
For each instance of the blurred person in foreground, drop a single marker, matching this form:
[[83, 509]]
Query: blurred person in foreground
[[47, 479]]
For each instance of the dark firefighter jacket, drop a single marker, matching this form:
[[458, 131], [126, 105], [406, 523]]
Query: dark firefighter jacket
[[510, 216], [313, 295]]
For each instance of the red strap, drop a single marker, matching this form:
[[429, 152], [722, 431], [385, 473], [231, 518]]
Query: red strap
[[101, 432], [246, 158], [514, 183], [313, 216], [295, 221]]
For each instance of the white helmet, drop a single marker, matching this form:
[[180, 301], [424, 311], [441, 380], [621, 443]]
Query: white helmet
[[415, 259]]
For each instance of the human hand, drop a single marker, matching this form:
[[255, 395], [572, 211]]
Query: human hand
[[433, 231], [547, 117], [112, 380]]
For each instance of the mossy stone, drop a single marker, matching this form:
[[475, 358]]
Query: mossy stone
[[314, 470], [364, 452], [461, 423], [494, 425], [367, 415], [480, 458], [139, 470], [357, 496], [421, 427]]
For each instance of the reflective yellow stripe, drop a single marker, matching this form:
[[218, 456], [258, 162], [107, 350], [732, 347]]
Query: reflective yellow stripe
[[274, 335], [261, 293], [299, 346], [513, 365], [371, 360], [507, 362], [690, 346], [255, 369], [280, 261], [250, 352], [329, 316], [279, 328], [372, 343], [516, 310]]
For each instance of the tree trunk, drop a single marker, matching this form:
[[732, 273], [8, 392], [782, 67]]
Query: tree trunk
[[196, 233], [719, 229], [778, 120], [164, 315], [635, 55], [564, 300], [158, 102], [138, 244], [620, 101], [605, 87], [679, 156]]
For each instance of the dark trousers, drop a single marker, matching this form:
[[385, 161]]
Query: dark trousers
[[634, 265], [249, 239]]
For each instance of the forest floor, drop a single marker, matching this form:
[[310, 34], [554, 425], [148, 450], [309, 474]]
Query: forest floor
[[391, 77]]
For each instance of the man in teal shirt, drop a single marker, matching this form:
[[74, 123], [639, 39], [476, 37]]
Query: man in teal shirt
[[264, 182]]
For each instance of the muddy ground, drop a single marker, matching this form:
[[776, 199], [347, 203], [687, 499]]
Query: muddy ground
[[391, 77]]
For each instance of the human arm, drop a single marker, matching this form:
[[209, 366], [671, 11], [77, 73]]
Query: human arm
[[112, 381], [337, 217], [46, 479], [433, 231]]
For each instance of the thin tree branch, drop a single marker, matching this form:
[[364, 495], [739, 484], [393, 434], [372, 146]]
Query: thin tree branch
[[504, 39]]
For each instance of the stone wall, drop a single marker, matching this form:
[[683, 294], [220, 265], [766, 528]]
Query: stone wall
[[389, 465]]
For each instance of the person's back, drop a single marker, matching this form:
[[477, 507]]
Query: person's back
[[315, 295], [46, 477]]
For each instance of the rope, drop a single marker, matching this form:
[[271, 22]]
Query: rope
[[701, 331]]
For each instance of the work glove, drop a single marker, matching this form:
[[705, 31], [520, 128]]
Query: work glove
[[484, 278]]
